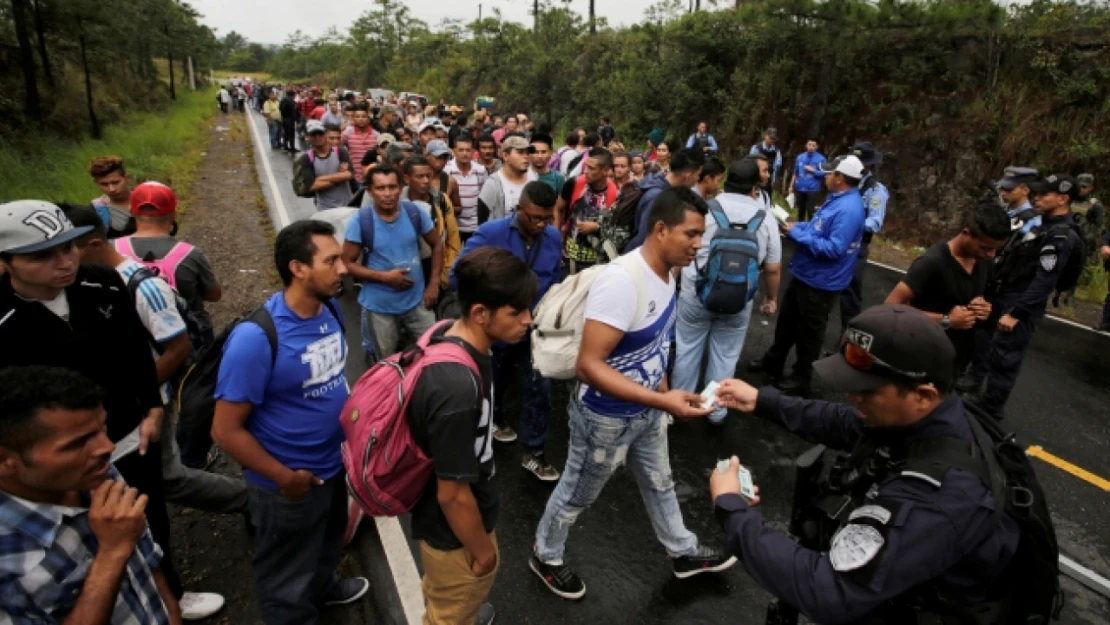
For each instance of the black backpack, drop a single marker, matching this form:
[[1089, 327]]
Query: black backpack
[[195, 395], [1029, 592], [199, 333]]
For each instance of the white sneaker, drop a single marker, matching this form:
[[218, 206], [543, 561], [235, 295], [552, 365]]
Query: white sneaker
[[198, 605]]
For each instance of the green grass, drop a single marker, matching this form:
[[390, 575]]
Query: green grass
[[162, 145]]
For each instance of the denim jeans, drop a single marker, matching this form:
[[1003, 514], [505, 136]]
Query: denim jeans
[[381, 333], [598, 445], [275, 133], [297, 549], [697, 328], [535, 388]]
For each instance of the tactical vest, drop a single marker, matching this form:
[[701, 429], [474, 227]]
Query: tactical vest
[[1018, 261], [770, 154], [848, 480]]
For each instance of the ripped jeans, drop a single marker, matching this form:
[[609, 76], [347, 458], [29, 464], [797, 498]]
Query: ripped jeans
[[598, 445]]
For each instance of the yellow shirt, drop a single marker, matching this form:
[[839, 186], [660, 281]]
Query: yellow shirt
[[272, 110]]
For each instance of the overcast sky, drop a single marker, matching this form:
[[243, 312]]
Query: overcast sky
[[271, 21]]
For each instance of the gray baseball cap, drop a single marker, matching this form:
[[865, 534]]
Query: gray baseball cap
[[29, 226]]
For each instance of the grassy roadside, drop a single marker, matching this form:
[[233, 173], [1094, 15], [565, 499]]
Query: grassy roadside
[[164, 145]]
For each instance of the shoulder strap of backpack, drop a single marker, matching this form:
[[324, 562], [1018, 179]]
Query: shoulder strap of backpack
[[632, 266], [176, 254], [366, 232], [413, 212], [576, 193], [719, 215], [261, 317], [755, 222], [123, 246], [611, 193]]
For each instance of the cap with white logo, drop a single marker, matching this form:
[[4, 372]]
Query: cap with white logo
[[28, 226]]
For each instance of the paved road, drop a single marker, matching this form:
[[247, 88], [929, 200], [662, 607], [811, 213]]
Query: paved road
[[1061, 404]]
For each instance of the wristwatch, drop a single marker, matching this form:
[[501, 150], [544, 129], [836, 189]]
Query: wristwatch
[[945, 322]]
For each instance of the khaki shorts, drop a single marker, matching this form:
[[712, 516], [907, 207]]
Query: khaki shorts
[[452, 594]]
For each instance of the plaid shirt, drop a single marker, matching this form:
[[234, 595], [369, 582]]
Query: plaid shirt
[[45, 554]]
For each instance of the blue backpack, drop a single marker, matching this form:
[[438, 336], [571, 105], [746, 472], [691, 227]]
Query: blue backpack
[[366, 226], [730, 277]]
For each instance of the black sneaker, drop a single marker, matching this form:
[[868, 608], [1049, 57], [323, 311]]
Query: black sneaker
[[485, 615], [347, 590], [559, 578], [706, 560]]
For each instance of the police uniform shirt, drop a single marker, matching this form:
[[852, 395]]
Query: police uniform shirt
[[908, 531], [1045, 266], [875, 199]]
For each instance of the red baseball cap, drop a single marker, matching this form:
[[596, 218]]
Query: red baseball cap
[[153, 199]]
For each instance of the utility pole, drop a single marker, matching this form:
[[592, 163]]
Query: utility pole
[[479, 11], [535, 16], [192, 74], [593, 24]]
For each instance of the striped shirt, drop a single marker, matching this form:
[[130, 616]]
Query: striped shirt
[[156, 303], [358, 144], [46, 551], [470, 185]]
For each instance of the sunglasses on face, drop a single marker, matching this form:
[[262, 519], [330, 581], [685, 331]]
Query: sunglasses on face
[[863, 360]]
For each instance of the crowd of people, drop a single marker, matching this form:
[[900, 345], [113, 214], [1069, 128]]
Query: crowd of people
[[460, 225]]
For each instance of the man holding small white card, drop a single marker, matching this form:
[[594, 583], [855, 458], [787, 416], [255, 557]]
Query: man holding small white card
[[903, 525]]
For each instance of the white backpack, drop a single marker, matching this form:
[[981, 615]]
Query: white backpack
[[559, 317]]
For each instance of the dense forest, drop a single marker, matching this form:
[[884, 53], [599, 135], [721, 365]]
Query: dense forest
[[951, 90], [70, 66]]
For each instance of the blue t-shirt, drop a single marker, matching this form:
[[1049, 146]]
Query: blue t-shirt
[[298, 399], [396, 246]]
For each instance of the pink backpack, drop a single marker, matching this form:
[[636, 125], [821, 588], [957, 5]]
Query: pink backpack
[[165, 267], [387, 471]]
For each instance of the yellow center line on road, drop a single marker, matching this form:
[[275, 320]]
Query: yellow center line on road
[[1038, 452]]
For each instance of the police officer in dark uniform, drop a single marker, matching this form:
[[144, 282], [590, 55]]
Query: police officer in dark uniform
[[1033, 265], [875, 198], [904, 529]]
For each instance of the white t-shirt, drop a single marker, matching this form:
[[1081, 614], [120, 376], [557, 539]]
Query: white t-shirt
[[59, 306], [641, 355], [565, 160], [512, 190], [739, 209], [156, 304]]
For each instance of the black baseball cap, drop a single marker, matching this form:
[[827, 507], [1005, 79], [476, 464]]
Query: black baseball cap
[[1057, 183], [743, 175], [890, 343]]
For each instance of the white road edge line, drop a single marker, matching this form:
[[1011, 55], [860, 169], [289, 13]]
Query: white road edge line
[[394, 543], [279, 204], [1053, 317]]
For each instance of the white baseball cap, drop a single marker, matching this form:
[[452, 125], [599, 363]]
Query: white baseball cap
[[28, 226], [848, 165]]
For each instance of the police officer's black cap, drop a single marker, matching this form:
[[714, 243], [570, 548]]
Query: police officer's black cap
[[866, 153], [743, 175], [1013, 176], [890, 343], [1057, 183]]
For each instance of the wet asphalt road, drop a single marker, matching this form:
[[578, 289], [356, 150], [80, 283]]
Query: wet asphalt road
[[1062, 403]]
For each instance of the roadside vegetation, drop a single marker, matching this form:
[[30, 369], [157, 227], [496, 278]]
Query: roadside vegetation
[[164, 145]]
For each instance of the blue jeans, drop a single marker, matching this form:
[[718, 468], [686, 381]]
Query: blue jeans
[[598, 445], [697, 328], [381, 333], [275, 133], [297, 549], [535, 388]]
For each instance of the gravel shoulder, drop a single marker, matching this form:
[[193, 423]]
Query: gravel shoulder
[[227, 218]]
